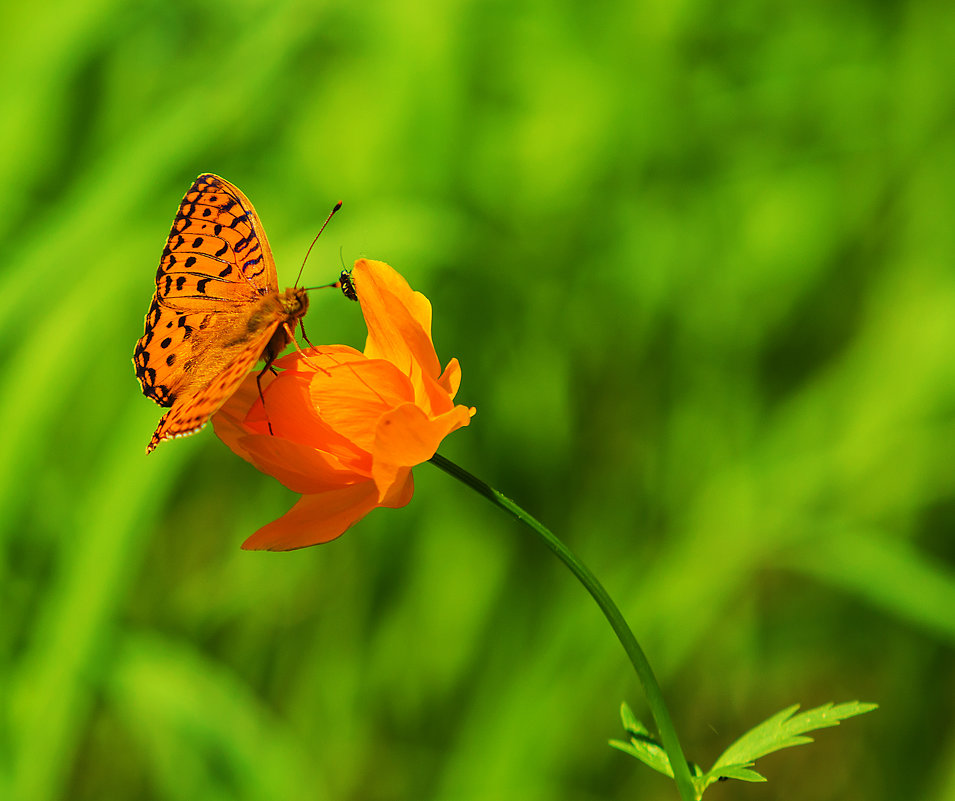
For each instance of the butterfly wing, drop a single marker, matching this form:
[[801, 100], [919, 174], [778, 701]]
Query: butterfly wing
[[193, 410], [217, 248], [216, 265]]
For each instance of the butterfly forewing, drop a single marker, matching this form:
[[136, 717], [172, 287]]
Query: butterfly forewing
[[216, 252]]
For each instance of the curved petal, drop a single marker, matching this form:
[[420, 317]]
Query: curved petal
[[243, 425], [400, 489], [228, 422], [433, 397], [315, 519], [294, 416], [322, 356], [405, 437], [398, 319], [351, 397], [450, 379], [299, 467]]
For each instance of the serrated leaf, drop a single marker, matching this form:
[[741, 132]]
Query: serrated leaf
[[785, 729], [648, 751], [740, 772], [782, 730], [630, 723], [642, 745]]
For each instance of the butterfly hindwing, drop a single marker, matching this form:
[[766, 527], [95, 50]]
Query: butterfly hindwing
[[165, 356], [193, 410]]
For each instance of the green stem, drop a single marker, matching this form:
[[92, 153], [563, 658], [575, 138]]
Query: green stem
[[638, 659]]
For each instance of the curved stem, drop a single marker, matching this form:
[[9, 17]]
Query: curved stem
[[638, 659]]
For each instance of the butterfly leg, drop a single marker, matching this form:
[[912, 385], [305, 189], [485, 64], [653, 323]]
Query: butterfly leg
[[309, 362], [269, 358], [301, 322]]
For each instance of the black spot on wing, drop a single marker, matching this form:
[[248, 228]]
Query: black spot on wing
[[147, 379]]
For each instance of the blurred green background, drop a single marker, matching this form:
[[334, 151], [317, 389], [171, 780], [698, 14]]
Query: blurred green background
[[698, 263]]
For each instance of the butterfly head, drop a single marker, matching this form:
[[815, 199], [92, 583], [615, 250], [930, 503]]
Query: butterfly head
[[295, 302]]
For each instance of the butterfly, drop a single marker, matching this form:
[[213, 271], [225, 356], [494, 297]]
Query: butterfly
[[216, 311]]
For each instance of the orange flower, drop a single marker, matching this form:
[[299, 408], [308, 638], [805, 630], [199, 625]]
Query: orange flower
[[347, 427]]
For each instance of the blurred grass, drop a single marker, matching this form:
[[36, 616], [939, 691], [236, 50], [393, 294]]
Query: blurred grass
[[697, 263]]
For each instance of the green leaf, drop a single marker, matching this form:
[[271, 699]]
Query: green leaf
[[648, 751], [784, 729], [642, 745], [645, 747], [740, 772], [630, 723]]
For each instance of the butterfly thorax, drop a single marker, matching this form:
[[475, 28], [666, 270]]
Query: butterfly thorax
[[289, 308]]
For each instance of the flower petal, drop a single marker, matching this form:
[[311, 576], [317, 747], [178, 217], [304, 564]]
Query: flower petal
[[322, 356], [299, 467], [229, 421], [294, 416], [351, 397], [450, 379], [398, 319], [405, 437], [315, 519], [400, 489]]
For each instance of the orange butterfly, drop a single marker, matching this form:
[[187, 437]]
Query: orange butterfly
[[216, 311]]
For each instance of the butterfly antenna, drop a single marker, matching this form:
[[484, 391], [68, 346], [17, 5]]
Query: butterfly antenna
[[344, 283], [331, 214]]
